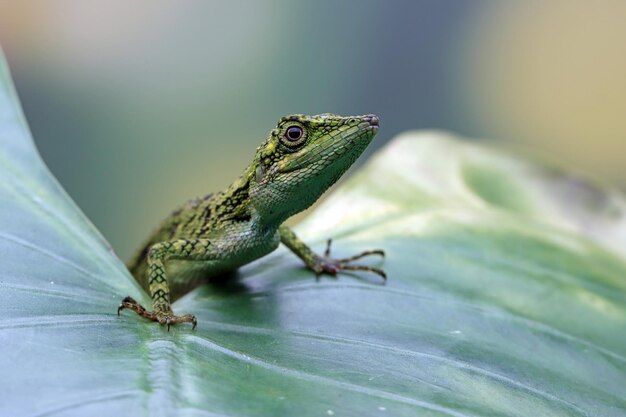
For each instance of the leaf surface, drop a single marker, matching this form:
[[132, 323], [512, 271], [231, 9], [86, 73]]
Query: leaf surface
[[506, 297]]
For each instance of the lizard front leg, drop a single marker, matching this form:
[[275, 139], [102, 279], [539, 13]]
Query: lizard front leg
[[325, 264], [185, 249]]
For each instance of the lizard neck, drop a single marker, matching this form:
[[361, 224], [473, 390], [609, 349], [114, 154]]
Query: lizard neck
[[240, 202], [274, 202], [268, 209]]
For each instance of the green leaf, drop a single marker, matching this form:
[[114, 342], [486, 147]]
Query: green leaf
[[506, 297]]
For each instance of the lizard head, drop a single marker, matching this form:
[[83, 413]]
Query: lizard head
[[302, 157]]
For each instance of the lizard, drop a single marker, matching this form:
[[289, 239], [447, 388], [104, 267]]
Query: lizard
[[215, 234]]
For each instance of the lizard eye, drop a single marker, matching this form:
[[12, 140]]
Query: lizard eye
[[294, 137], [294, 133]]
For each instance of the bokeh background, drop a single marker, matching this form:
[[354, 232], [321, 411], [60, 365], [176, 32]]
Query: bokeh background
[[138, 106]]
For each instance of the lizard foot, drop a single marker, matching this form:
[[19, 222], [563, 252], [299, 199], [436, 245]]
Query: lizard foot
[[325, 264], [162, 317]]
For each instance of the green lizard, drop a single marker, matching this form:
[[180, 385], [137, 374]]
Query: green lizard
[[300, 159]]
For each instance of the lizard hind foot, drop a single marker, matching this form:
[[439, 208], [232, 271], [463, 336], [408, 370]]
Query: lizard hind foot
[[162, 317]]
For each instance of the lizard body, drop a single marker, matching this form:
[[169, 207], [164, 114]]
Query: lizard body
[[300, 159]]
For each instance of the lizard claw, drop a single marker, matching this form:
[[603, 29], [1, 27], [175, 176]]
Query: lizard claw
[[325, 264], [160, 317]]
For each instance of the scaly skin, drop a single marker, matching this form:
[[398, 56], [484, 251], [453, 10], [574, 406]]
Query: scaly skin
[[300, 159]]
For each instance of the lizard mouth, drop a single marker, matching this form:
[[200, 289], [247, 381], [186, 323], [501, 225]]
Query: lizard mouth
[[373, 120], [335, 151], [371, 123]]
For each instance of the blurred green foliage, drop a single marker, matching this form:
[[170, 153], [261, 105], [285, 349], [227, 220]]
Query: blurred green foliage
[[495, 305], [138, 106], [170, 102]]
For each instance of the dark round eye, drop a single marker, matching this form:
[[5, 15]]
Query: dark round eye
[[294, 133]]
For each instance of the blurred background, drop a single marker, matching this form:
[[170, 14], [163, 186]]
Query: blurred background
[[138, 106]]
